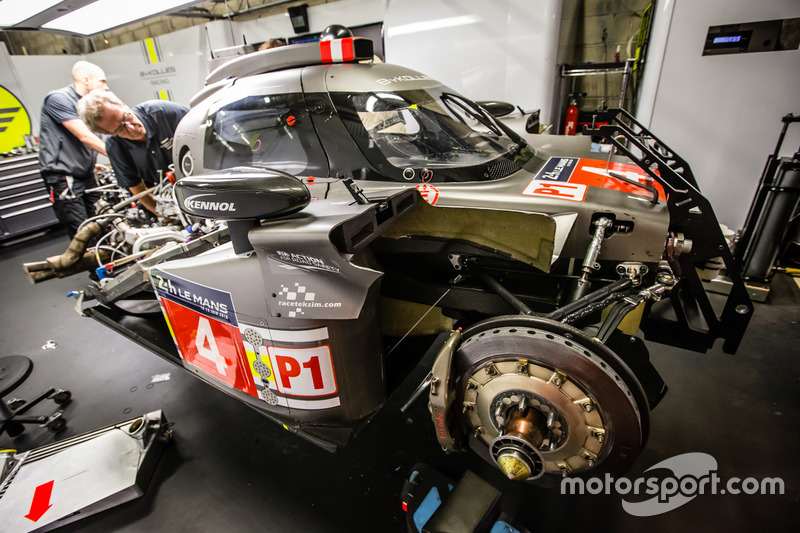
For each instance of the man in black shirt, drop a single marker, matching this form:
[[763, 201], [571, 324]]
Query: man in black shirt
[[140, 146], [68, 149]]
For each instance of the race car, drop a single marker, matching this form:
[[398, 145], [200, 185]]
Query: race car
[[337, 213]]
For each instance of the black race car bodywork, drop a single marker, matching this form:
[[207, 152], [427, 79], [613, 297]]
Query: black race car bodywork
[[366, 205]]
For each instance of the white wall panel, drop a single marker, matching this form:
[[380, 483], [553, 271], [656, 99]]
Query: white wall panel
[[39, 75], [721, 113], [501, 50]]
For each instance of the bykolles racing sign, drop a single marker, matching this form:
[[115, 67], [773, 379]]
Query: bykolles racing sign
[[279, 367], [568, 178]]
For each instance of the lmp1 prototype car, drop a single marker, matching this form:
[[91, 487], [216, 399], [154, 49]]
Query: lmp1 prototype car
[[335, 212]]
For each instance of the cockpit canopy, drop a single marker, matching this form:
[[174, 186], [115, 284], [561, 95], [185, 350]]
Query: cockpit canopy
[[377, 122]]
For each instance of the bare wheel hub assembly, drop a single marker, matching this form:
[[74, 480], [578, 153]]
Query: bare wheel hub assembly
[[543, 398]]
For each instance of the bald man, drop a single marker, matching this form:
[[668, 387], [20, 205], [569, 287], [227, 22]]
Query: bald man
[[68, 148]]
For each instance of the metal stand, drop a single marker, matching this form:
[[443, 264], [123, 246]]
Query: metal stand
[[774, 205], [14, 370], [692, 317], [592, 69]]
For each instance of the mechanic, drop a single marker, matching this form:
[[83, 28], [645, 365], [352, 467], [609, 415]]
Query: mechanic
[[68, 148], [271, 43], [140, 142]]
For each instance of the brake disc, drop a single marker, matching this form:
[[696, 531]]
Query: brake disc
[[543, 398]]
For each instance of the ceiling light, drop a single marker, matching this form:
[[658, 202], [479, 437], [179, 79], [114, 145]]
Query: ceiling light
[[105, 15], [431, 25], [15, 11]]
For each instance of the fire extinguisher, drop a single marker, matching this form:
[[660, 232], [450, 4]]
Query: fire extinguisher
[[571, 119]]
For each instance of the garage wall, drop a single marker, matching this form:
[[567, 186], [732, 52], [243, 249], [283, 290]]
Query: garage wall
[[500, 50], [506, 50], [346, 12], [176, 66], [720, 113], [182, 56]]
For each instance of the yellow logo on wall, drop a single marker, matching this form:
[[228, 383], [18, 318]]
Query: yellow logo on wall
[[14, 121]]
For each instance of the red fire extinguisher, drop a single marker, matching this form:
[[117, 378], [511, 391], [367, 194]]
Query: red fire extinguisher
[[571, 119]]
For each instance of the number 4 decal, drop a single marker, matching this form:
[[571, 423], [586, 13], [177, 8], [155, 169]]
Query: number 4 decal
[[306, 372], [210, 352]]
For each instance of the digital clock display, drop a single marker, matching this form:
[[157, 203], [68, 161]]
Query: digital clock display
[[728, 39]]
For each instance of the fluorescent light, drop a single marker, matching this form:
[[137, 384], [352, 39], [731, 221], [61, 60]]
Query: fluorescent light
[[15, 11], [430, 25], [104, 15]]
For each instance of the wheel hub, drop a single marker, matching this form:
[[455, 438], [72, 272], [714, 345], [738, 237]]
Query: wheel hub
[[516, 451], [544, 401]]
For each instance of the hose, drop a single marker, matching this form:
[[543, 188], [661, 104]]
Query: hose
[[74, 259]]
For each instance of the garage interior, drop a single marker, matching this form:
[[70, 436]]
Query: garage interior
[[228, 468]]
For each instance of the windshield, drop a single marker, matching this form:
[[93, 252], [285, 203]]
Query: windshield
[[433, 129]]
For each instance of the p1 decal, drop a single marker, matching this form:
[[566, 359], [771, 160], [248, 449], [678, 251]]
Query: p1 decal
[[304, 372], [556, 189], [203, 324], [289, 372], [567, 178], [429, 193]]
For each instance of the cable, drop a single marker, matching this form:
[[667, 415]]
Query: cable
[[97, 217], [97, 247], [418, 321]]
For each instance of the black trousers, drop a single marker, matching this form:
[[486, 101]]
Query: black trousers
[[71, 202]]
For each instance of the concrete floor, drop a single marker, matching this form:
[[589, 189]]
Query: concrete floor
[[229, 469]]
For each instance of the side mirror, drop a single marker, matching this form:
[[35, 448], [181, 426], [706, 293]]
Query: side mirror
[[497, 109]]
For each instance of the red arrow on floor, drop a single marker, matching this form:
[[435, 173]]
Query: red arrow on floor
[[41, 501]]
